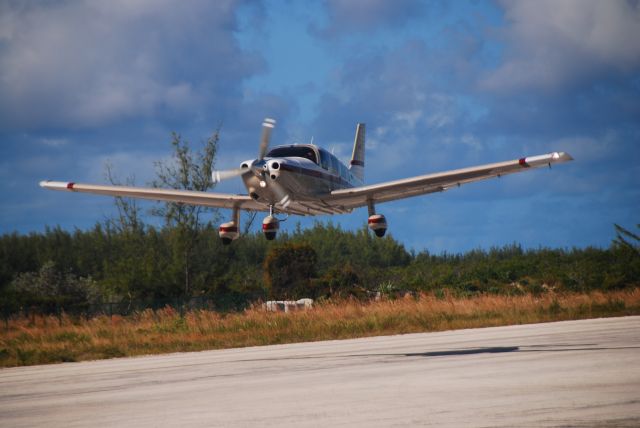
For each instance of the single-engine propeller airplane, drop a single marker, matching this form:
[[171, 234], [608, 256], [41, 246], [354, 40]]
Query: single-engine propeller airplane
[[304, 179]]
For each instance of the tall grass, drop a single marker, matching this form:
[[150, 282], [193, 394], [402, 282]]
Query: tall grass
[[49, 339]]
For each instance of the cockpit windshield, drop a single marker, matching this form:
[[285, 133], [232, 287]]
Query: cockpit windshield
[[294, 151]]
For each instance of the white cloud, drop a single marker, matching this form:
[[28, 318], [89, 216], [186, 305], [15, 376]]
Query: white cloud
[[410, 118], [471, 141], [551, 42], [88, 63]]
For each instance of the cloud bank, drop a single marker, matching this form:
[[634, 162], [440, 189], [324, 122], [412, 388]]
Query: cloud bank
[[87, 64]]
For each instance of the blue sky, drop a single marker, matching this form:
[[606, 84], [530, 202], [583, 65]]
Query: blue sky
[[441, 85]]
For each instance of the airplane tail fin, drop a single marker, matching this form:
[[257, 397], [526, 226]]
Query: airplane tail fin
[[357, 158]]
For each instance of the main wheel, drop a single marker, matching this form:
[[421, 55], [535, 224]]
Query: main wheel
[[380, 232]]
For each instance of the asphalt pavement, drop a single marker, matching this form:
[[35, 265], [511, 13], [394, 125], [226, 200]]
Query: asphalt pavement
[[575, 373]]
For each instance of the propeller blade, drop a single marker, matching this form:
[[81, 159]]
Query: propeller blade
[[255, 167], [267, 127], [218, 176]]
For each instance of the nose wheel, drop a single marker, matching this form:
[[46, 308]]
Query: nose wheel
[[271, 225]]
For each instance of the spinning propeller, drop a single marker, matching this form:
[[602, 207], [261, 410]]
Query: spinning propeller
[[259, 168]]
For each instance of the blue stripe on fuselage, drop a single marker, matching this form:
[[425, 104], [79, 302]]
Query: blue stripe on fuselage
[[335, 179]]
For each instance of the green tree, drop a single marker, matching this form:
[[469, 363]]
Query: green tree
[[624, 269], [341, 281], [186, 171], [126, 265], [627, 239], [289, 269], [49, 286], [128, 217]]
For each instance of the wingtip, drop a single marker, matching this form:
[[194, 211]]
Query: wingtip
[[57, 185], [269, 123], [565, 157]]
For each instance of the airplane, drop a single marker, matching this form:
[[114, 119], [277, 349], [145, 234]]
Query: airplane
[[304, 179]]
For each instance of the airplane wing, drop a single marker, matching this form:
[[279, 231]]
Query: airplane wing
[[339, 201], [438, 182], [217, 200]]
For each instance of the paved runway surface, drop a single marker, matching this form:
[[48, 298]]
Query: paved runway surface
[[576, 373]]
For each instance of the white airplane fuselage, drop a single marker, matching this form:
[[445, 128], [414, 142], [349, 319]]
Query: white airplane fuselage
[[297, 175]]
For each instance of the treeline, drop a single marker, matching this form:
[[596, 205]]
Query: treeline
[[108, 263], [125, 259]]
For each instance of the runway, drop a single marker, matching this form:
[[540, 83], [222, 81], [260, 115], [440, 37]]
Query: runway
[[575, 373]]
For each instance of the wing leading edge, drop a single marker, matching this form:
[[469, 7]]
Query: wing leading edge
[[438, 182], [217, 200]]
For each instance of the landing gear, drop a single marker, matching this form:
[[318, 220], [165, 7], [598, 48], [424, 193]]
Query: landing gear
[[229, 231], [376, 222], [270, 225]]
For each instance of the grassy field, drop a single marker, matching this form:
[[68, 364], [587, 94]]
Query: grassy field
[[41, 340]]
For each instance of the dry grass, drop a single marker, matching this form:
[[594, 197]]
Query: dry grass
[[43, 340]]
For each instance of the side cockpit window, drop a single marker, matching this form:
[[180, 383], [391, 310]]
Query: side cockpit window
[[329, 162], [344, 173], [335, 165], [325, 159]]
